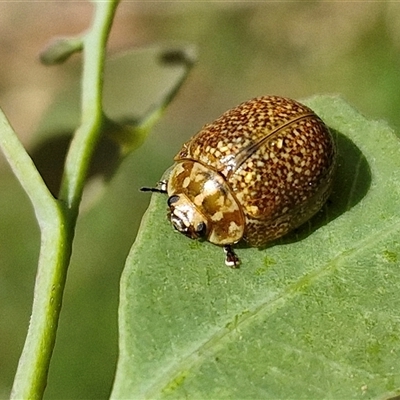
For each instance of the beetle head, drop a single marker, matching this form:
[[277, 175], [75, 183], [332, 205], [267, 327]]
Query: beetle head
[[186, 217]]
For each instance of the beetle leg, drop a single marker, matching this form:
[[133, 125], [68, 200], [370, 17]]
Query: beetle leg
[[161, 187], [231, 259]]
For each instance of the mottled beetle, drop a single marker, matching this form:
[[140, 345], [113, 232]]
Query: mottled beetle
[[257, 172]]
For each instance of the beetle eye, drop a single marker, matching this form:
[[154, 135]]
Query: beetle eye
[[173, 199], [201, 229]]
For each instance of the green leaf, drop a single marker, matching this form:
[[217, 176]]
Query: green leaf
[[316, 315]]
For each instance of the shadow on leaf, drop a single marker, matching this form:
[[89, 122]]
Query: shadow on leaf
[[351, 183]]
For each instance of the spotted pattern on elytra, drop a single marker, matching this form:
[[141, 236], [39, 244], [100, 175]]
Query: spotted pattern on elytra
[[258, 171], [237, 129], [283, 174]]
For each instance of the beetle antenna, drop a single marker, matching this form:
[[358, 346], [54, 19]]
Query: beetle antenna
[[152, 189], [161, 187]]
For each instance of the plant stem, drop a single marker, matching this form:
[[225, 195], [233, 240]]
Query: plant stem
[[57, 217], [87, 135]]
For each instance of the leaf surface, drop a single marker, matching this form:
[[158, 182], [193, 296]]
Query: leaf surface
[[315, 315]]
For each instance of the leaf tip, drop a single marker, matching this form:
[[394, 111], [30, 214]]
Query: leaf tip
[[59, 50]]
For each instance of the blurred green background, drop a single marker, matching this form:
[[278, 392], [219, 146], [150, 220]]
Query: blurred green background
[[294, 49]]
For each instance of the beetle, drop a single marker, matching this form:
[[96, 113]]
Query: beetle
[[257, 172]]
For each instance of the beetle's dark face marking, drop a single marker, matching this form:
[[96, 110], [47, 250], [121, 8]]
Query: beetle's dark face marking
[[186, 218]]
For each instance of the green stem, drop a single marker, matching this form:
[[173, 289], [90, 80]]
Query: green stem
[[57, 217], [87, 135], [30, 379]]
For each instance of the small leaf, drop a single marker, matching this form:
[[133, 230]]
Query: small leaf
[[313, 316], [60, 49]]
